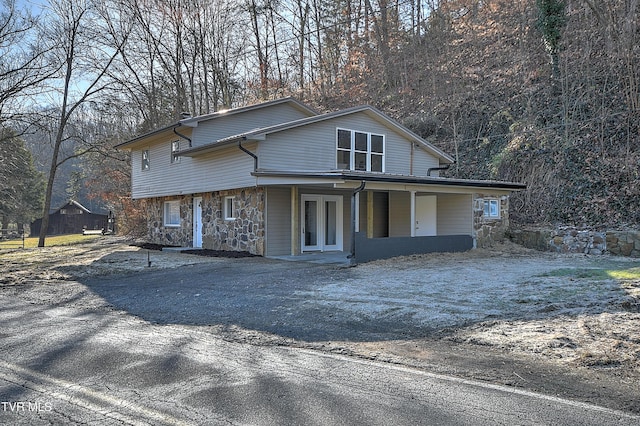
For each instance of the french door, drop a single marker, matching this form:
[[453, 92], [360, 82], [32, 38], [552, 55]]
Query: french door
[[321, 222]]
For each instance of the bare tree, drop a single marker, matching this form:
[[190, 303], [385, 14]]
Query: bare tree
[[23, 60], [71, 26]]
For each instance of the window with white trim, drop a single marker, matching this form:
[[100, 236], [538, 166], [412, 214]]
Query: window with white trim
[[492, 209], [175, 152], [172, 213], [229, 210], [360, 151], [145, 159]]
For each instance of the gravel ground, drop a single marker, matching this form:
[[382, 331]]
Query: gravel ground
[[567, 325]]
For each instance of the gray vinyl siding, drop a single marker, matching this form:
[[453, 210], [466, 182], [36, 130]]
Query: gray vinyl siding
[[234, 124], [455, 216], [422, 161], [308, 148], [278, 218], [313, 147], [399, 214], [229, 168]]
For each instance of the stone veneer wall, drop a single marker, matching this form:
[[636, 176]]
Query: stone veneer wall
[[486, 230], [244, 233], [180, 236], [574, 240]]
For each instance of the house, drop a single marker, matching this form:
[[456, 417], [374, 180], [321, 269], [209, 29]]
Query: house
[[72, 218], [277, 178]]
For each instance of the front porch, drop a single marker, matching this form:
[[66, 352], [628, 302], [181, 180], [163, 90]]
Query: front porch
[[375, 222]]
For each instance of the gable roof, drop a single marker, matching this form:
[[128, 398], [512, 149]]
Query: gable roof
[[74, 203], [194, 121], [261, 133]]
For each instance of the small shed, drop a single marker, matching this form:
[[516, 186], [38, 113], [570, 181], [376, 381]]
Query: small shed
[[72, 218]]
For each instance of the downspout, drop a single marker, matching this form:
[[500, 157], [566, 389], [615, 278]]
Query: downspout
[[175, 130], [352, 256], [245, 150], [431, 169]]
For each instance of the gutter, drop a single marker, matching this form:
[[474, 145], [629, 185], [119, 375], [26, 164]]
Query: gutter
[[443, 168], [175, 130]]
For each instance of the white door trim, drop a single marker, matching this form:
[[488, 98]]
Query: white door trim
[[197, 222]]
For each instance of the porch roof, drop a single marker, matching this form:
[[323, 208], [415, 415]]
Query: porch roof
[[350, 175]]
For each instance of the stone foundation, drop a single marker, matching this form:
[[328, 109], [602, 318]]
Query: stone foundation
[[243, 233]]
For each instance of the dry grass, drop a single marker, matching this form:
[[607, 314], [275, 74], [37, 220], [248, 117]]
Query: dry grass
[[58, 240]]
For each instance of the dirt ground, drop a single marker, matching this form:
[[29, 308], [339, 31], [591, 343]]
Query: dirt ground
[[563, 325]]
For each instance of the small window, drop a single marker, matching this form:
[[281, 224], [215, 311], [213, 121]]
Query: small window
[[229, 210], [175, 152], [145, 159], [172, 213], [492, 209]]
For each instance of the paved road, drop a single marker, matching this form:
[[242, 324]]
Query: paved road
[[64, 364]]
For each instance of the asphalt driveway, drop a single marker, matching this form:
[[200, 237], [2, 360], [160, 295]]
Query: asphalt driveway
[[277, 297], [386, 300]]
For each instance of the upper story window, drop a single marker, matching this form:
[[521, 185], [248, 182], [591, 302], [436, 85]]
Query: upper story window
[[492, 209], [145, 159], [360, 151], [175, 152], [172, 213]]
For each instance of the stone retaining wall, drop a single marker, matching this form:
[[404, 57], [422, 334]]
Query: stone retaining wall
[[624, 243], [572, 240]]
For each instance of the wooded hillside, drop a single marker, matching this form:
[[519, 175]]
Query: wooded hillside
[[482, 84], [544, 92], [569, 130]]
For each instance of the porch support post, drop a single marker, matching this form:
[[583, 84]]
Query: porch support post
[[413, 213], [295, 221], [355, 200], [369, 214]]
